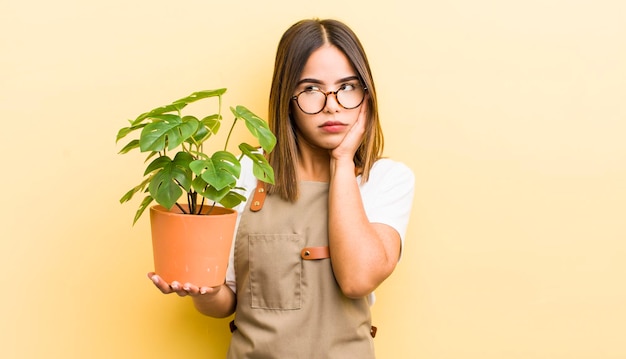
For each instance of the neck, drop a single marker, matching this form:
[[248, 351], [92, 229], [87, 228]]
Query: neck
[[313, 166]]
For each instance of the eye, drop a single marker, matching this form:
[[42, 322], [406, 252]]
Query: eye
[[311, 88], [348, 87]]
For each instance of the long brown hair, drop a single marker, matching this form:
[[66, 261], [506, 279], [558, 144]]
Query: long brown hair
[[294, 49]]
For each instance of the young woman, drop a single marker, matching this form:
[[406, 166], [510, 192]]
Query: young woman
[[308, 256]]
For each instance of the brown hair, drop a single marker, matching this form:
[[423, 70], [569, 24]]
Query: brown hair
[[294, 49]]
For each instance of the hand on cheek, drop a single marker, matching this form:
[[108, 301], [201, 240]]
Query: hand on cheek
[[351, 142]]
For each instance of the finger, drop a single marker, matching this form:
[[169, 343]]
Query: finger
[[209, 290], [178, 289], [191, 289], [160, 283]]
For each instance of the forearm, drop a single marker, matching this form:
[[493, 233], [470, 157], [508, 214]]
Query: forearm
[[219, 305], [363, 254]]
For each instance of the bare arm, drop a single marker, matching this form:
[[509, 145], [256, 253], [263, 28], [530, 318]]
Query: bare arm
[[363, 254]]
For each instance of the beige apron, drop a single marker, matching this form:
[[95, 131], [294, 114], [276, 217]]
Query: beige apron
[[289, 307]]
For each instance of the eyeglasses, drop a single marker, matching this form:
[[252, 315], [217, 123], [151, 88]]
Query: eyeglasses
[[312, 100]]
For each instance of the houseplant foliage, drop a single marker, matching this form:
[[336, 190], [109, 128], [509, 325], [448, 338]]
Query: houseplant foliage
[[176, 161]]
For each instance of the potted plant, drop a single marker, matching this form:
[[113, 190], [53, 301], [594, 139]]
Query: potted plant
[[192, 240]]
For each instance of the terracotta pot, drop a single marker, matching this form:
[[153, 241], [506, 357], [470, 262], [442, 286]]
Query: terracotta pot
[[192, 248]]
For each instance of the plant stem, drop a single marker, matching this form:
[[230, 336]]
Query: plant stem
[[212, 206], [192, 198], [201, 205], [181, 208], [229, 133]]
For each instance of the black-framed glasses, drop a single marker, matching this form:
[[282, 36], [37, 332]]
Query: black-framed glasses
[[312, 101]]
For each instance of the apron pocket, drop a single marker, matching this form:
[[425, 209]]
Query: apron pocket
[[275, 270]]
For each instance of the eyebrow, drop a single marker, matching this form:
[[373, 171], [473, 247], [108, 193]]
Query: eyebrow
[[316, 81]]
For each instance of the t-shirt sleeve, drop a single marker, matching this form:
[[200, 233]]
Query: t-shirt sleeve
[[388, 195]]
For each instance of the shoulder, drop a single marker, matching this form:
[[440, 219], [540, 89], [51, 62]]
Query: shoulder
[[390, 183], [386, 171], [387, 164], [388, 194]]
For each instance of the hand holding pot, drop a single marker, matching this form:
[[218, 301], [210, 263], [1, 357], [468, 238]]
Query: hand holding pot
[[183, 290]]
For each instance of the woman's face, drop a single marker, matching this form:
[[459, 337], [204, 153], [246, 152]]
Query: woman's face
[[327, 69]]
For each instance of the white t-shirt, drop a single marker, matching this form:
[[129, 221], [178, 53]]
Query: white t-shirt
[[387, 198]]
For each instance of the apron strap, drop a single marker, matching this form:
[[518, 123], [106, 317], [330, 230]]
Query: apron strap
[[315, 253], [258, 198]]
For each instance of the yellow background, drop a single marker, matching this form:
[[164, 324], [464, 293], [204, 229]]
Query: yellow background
[[511, 114]]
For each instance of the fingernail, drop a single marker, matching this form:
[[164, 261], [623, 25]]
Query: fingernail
[[202, 290], [155, 279]]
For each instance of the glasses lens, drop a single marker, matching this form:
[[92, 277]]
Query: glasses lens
[[350, 96], [311, 101]]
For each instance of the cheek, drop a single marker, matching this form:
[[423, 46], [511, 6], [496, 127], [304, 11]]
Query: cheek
[[298, 119]]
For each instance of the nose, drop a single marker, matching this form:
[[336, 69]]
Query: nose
[[332, 104]]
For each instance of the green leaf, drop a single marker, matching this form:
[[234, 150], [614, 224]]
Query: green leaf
[[128, 195], [157, 163], [183, 160], [152, 154], [123, 132], [178, 105], [208, 126], [201, 134], [263, 171], [171, 130], [257, 127], [220, 171], [129, 146], [159, 111], [165, 186], [226, 196], [165, 191], [142, 207], [200, 95], [207, 191], [231, 199], [140, 187], [212, 123], [260, 167]]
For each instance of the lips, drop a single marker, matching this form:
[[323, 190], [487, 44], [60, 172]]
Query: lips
[[332, 124], [333, 127]]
